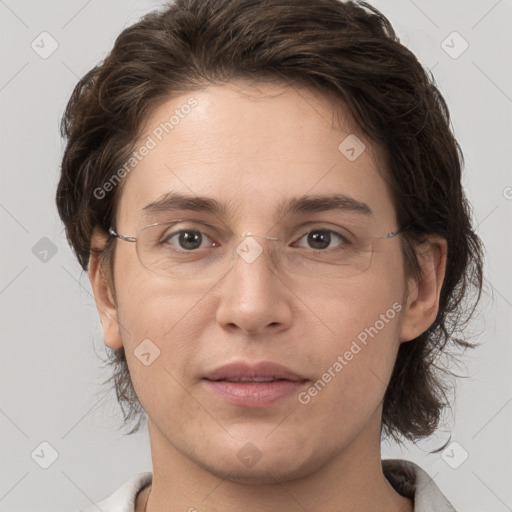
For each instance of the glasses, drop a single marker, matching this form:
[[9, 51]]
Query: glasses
[[190, 249]]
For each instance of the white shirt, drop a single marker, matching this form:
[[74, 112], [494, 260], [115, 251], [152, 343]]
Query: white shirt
[[406, 477]]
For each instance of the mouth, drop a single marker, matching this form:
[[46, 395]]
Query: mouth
[[248, 379], [264, 371], [253, 385]]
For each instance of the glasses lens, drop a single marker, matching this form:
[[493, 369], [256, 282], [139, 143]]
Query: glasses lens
[[184, 250], [180, 250], [340, 263]]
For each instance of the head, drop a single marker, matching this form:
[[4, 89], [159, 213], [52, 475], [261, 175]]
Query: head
[[253, 103]]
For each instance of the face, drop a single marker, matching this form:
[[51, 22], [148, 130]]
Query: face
[[253, 149]]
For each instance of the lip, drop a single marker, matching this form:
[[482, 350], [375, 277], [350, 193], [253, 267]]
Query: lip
[[264, 369], [224, 383]]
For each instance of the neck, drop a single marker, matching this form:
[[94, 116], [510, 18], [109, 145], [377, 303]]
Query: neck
[[351, 480]]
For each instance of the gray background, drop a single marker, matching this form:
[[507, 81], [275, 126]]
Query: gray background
[[50, 373]]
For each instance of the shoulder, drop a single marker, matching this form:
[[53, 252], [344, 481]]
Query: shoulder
[[123, 499], [411, 481]]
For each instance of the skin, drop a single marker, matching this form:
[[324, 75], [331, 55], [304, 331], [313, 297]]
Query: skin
[[253, 146]]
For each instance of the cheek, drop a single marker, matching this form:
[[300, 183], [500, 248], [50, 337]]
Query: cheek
[[364, 307], [161, 322], [166, 312], [356, 359], [162, 327], [150, 306], [354, 370]]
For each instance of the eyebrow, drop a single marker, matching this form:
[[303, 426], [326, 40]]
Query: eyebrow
[[174, 201]]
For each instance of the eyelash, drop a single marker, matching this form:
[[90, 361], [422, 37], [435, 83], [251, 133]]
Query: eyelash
[[343, 239]]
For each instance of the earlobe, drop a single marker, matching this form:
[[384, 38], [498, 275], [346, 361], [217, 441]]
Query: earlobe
[[422, 301], [103, 296]]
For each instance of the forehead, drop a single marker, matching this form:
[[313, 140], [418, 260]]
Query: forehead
[[252, 149]]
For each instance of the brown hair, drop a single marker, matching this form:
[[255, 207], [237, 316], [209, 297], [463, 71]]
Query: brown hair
[[343, 49]]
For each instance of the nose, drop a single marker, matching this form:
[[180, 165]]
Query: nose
[[254, 297]]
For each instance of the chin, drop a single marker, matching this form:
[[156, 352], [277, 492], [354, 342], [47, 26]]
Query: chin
[[263, 472], [261, 462]]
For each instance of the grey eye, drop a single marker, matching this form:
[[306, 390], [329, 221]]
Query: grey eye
[[321, 238]]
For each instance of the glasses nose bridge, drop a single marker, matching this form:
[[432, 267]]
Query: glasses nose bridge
[[249, 234], [258, 239], [250, 246]]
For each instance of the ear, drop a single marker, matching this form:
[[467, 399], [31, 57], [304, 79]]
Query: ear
[[422, 303], [103, 294]]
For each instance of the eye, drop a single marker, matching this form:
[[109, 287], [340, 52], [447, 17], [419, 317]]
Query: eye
[[321, 238], [187, 239]]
